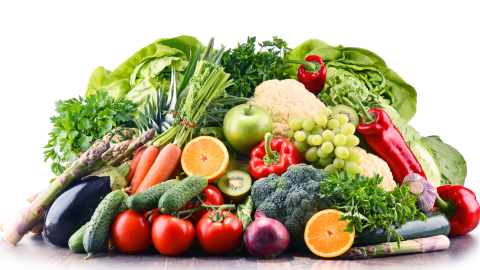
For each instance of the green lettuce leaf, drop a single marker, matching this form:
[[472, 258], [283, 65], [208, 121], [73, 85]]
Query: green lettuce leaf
[[424, 156], [453, 166], [141, 75]]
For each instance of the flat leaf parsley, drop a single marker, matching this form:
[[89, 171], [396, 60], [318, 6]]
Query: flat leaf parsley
[[366, 205]]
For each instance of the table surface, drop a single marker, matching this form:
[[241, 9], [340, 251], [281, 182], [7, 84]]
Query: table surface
[[34, 252]]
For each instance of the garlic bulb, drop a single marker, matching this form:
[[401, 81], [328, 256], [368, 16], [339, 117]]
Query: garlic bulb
[[420, 185]]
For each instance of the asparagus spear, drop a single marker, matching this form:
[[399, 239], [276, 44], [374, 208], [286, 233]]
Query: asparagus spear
[[439, 242], [16, 227]]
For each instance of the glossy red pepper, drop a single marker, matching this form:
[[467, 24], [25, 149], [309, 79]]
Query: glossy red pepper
[[461, 207], [381, 134], [311, 73], [273, 156]]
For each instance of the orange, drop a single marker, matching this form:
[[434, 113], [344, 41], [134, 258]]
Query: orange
[[324, 234], [205, 155]]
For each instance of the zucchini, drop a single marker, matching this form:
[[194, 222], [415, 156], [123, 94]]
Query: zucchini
[[437, 224], [96, 232], [148, 199], [75, 243], [183, 192]]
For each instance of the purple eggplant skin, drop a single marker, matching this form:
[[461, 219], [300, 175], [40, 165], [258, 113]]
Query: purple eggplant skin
[[73, 208]]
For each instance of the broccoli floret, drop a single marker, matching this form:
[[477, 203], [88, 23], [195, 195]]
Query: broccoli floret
[[291, 199]]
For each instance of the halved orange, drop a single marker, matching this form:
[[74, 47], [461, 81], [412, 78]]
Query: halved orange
[[205, 155], [324, 234]]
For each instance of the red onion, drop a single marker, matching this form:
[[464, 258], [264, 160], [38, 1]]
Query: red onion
[[266, 237]]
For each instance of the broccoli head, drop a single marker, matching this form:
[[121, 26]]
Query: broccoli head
[[291, 199]]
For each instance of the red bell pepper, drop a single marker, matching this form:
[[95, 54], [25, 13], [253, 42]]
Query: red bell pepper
[[273, 156], [381, 134], [311, 73], [460, 206]]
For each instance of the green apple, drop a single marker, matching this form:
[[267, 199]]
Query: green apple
[[245, 127]]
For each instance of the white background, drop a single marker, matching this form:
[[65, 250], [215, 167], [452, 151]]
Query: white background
[[48, 50]]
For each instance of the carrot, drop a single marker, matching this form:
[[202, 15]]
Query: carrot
[[135, 161], [146, 161], [163, 167], [178, 170]]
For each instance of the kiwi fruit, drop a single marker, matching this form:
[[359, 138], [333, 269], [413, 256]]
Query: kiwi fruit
[[349, 111], [235, 186]]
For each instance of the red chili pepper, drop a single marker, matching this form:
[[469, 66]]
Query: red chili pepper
[[381, 134], [460, 206], [311, 73], [273, 156]]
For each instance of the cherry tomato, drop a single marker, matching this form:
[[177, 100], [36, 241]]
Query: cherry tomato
[[219, 237], [213, 196], [172, 236], [151, 215], [131, 233]]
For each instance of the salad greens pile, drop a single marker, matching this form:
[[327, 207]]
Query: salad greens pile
[[140, 76], [80, 121]]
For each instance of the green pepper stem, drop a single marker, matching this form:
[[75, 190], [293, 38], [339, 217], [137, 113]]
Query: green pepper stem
[[441, 203], [447, 207], [268, 149], [311, 67], [370, 118]]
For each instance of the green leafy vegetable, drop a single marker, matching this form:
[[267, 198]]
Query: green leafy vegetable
[[244, 212], [366, 66], [80, 121], [366, 205], [453, 166], [425, 157], [141, 75], [248, 68]]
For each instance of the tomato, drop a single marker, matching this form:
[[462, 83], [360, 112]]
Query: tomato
[[151, 215], [213, 196], [172, 236], [219, 237], [131, 233]]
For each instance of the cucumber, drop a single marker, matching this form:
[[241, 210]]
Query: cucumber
[[148, 199], [96, 232], [75, 243], [437, 224], [183, 192]]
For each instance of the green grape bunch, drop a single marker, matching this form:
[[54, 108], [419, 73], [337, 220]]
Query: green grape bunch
[[327, 141]]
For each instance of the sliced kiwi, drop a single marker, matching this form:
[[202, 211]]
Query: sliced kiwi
[[349, 111], [235, 186]]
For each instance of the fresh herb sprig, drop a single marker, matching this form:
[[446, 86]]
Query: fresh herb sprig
[[249, 68], [366, 205], [80, 121]]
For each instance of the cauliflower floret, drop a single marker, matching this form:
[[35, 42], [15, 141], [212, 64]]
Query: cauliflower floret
[[283, 99], [371, 164]]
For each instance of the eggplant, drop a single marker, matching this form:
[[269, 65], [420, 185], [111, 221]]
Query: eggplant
[[76, 204]]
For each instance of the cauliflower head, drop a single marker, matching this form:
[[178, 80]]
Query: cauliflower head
[[283, 99], [371, 164]]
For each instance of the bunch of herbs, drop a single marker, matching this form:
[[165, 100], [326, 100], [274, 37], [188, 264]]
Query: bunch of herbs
[[249, 68], [366, 205], [80, 121]]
